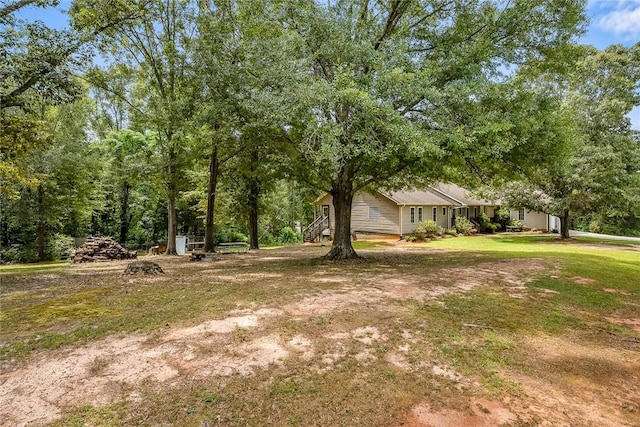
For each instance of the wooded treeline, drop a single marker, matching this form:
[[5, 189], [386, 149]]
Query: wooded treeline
[[226, 118]]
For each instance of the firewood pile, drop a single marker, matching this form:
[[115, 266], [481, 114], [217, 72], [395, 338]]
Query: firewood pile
[[101, 249]]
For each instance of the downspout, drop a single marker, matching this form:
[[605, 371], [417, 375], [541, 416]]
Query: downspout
[[400, 221]]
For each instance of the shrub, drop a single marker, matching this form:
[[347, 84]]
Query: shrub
[[226, 234], [410, 238], [61, 246], [464, 226], [267, 239], [516, 223], [451, 232], [427, 229], [288, 236], [486, 226], [503, 216]]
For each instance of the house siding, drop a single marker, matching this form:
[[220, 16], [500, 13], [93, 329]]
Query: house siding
[[532, 219], [427, 213], [386, 223]]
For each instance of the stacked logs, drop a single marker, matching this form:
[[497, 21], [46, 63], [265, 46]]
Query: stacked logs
[[101, 249]]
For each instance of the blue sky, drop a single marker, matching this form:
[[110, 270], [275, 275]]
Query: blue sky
[[610, 22]]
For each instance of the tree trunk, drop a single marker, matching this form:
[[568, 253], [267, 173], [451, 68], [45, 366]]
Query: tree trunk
[[564, 225], [342, 199], [42, 225], [124, 213], [214, 168], [253, 196], [172, 221]]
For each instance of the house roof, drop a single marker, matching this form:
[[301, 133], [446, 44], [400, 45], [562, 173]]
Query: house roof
[[439, 195], [462, 195], [420, 197]]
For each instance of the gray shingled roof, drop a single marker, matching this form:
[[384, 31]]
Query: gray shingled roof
[[420, 197], [439, 195], [462, 195]]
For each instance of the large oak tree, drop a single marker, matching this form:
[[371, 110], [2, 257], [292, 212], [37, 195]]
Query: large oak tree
[[387, 91]]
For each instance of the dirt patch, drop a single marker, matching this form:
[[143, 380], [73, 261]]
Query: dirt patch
[[386, 286], [481, 413], [583, 280], [633, 323], [617, 291], [97, 373]]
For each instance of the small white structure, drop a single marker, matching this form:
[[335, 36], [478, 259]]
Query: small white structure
[[181, 245]]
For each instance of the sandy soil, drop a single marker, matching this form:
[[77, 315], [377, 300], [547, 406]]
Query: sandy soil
[[114, 368]]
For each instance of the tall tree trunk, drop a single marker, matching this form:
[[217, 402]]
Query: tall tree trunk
[[342, 194], [253, 196], [214, 169], [124, 213], [42, 225], [172, 226], [564, 225]]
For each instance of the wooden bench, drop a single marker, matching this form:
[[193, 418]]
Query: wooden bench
[[232, 247], [513, 228]]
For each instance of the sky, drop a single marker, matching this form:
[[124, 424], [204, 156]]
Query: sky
[[610, 22]]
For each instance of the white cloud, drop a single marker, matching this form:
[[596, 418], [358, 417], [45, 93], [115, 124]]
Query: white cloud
[[622, 19]]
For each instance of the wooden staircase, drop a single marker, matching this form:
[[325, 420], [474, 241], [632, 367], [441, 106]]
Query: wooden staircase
[[315, 229]]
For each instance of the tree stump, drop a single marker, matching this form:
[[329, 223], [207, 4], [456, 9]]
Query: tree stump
[[144, 267]]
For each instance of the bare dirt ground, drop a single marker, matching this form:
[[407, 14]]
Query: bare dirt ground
[[556, 393]]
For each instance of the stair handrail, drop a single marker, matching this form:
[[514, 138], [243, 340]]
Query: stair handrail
[[315, 222]]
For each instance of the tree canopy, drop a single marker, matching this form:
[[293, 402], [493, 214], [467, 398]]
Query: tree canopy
[[232, 103]]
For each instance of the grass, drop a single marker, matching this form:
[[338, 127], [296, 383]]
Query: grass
[[481, 335]]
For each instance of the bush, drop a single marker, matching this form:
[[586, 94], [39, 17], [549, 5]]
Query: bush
[[516, 223], [61, 247], [503, 216], [230, 234], [267, 239], [289, 237], [428, 228], [486, 226], [464, 226], [451, 232], [410, 238]]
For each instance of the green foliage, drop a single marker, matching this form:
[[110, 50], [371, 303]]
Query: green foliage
[[427, 230], [288, 236], [597, 172], [503, 216], [486, 226], [516, 223], [464, 226], [230, 233]]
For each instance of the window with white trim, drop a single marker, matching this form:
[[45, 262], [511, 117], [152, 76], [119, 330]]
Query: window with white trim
[[475, 212], [435, 214], [444, 212], [521, 215], [413, 215], [419, 214], [374, 213]]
